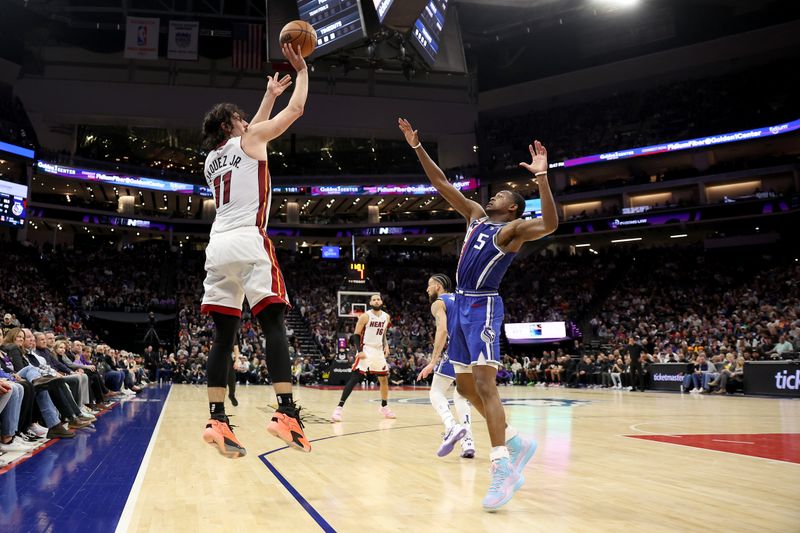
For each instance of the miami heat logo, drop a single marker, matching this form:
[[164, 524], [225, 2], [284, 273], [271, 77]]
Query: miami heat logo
[[488, 334]]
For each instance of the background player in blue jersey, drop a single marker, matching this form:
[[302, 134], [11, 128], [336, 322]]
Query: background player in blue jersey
[[440, 294], [494, 235]]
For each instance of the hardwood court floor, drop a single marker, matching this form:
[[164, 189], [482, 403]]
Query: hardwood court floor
[[369, 474]]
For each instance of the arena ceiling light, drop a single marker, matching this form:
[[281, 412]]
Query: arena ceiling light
[[617, 3], [627, 240], [678, 236], [582, 245]]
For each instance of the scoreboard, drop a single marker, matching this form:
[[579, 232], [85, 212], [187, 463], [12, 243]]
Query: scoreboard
[[428, 29], [337, 22], [357, 272], [13, 204]]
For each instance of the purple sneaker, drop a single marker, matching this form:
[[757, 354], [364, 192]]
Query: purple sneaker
[[453, 435], [505, 482]]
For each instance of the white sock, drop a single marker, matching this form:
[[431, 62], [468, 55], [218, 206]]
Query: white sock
[[511, 432], [499, 452], [463, 410], [439, 400]]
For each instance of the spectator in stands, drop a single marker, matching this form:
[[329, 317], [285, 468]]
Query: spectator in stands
[[41, 388], [617, 369], [732, 371], [782, 346], [9, 322], [11, 395], [96, 394], [78, 383], [165, 369], [697, 379], [113, 377]]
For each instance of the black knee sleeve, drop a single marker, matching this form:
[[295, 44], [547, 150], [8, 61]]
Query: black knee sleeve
[[219, 356], [277, 350]]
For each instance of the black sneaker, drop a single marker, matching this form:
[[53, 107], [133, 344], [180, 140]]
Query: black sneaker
[[58, 432]]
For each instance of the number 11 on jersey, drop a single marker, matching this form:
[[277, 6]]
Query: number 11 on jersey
[[225, 184]]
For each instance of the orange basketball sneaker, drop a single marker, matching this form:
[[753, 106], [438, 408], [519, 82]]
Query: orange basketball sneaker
[[290, 430], [219, 433]]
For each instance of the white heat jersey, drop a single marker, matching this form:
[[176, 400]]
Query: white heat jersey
[[375, 330], [241, 187]]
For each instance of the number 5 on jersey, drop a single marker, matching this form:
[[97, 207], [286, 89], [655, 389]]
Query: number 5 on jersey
[[225, 184], [481, 241]]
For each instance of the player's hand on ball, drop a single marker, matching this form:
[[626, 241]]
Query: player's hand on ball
[[425, 372], [412, 137], [276, 86], [538, 158], [294, 57]]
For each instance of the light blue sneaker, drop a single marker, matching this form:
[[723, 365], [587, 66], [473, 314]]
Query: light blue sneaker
[[521, 450], [505, 482]]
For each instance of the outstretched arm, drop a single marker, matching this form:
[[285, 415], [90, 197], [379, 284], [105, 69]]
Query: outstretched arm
[[466, 208], [522, 231], [275, 88], [267, 130], [439, 313]]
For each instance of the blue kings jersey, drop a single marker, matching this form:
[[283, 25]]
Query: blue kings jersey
[[445, 367], [449, 301], [482, 264]]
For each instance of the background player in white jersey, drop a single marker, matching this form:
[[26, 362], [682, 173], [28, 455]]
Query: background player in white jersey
[[240, 258], [369, 339], [494, 236], [440, 294]]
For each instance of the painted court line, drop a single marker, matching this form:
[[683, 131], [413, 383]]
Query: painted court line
[[127, 513], [733, 441], [321, 522]]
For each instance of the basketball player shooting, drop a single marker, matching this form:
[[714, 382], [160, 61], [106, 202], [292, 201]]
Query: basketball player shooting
[[240, 258], [494, 236], [369, 339], [440, 294]]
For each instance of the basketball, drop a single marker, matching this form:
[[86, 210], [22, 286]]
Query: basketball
[[300, 32]]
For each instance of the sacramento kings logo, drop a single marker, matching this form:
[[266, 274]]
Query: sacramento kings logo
[[487, 335]]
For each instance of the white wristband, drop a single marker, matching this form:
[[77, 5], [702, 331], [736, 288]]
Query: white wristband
[[542, 173], [417, 146]]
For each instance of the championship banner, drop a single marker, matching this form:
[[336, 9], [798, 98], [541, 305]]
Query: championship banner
[[141, 38], [182, 43]]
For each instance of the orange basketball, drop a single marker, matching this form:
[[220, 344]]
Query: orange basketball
[[300, 32]]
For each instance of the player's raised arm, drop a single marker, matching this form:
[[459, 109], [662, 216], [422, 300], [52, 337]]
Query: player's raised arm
[[530, 230], [267, 130], [275, 88], [466, 208]]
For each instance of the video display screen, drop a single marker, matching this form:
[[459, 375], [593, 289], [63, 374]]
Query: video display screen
[[427, 32], [337, 22], [13, 203]]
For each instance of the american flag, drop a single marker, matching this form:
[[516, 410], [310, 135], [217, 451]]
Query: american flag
[[247, 46]]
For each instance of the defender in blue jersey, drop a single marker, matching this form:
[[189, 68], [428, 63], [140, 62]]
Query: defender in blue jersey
[[495, 233], [440, 294]]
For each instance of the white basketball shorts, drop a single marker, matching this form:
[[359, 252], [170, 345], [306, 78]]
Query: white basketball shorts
[[241, 263], [374, 362]]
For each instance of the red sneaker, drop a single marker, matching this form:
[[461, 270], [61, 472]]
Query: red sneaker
[[219, 433], [290, 430]]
